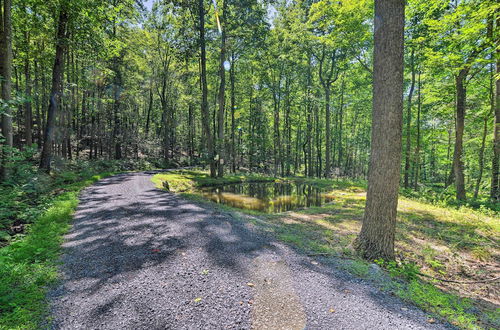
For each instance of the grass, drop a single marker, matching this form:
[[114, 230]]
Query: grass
[[448, 306], [189, 181], [28, 265], [448, 242]]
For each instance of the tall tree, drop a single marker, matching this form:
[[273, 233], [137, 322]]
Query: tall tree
[[205, 113], [408, 121], [5, 73], [57, 76], [495, 164], [376, 239], [327, 77], [221, 146]]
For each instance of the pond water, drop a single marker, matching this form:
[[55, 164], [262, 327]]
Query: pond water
[[269, 197]]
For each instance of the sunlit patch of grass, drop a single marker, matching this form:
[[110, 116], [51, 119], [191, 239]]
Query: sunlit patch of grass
[[481, 254], [446, 305], [292, 238]]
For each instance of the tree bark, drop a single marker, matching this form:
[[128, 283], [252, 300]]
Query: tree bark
[[6, 73], [376, 239], [340, 119], [458, 165], [57, 75], [326, 79], [417, 149], [233, 109], [205, 114], [408, 121], [221, 96], [481, 155], [150, 107], [328, 136], [495, 164], [28, 114]]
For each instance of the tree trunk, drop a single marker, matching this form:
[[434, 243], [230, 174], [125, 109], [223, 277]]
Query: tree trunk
[[6, 73], [150, 107], [205, 114], [417, 149], [233, 109], [319, 171], [481, 154], [458, 165], [221, 97], [57, 75], [495, 164], [376, 239], [328, 137], [288, 128], [28, 115], [38, 102], [340, 119], [408, 121]]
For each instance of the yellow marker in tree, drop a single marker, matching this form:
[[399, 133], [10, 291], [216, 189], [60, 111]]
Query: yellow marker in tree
[[217, 16]]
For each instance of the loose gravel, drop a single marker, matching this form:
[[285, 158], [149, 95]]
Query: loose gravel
[[141, 258]]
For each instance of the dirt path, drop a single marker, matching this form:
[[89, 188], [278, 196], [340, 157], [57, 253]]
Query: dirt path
[[140, 258]]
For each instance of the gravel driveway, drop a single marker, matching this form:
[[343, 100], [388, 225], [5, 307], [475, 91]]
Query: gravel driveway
[[141, 258]]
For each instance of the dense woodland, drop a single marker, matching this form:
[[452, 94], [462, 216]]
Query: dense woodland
[[282, 87]]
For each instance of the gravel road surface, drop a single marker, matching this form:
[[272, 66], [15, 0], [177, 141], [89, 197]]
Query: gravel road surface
[[141, 258]]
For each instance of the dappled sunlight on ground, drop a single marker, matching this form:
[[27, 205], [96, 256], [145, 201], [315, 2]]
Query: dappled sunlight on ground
[[459, 245], [445, 243]]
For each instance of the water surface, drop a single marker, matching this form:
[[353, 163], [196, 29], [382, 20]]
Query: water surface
[[269, 197]]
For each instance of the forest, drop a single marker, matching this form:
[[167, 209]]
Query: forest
[[281, 88], [256, 89]]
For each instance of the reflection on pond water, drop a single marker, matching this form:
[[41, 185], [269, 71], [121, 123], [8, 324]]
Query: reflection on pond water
[[269, 197]]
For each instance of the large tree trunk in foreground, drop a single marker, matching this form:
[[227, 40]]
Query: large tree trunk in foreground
[[6, 72], [376, 239], [57, 75]]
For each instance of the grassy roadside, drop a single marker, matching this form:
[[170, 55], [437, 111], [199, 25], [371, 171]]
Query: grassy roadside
[[456, 244], [29, 263]]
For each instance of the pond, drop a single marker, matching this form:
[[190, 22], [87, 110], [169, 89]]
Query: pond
[[268, 197]]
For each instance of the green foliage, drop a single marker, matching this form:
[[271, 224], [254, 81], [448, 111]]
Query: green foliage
[[446, 305], [438, 196], [408, 271], [28, 264], [27, 192]]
